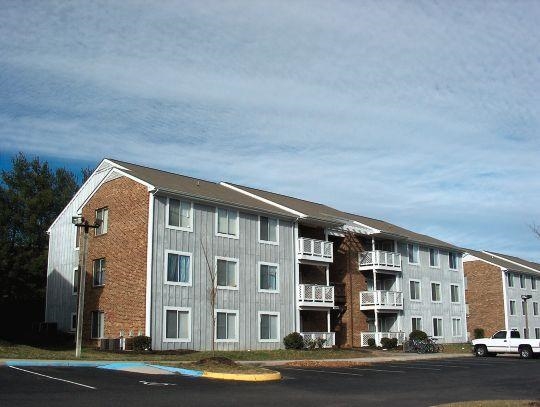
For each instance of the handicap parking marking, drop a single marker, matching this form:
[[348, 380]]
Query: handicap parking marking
[[378, 370], [323, 371], [53, 378]]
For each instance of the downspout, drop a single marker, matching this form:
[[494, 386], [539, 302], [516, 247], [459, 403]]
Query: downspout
[[351, 292], [149, 257], [375, 294], [296, 276], [504, 273]]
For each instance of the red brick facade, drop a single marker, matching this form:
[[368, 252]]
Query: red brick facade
[[124, 247], [484, 295]]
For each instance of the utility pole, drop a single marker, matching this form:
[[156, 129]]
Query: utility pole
[[82, 223]]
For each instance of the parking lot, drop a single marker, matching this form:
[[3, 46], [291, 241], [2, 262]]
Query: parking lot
[[411, 383]]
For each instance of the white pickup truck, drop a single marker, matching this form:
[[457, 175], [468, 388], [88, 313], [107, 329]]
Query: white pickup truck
[[506, 342]]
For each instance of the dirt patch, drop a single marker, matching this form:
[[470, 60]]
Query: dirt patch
[[217, 360]]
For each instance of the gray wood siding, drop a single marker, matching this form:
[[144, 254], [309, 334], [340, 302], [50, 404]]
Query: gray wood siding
[[246, 300]]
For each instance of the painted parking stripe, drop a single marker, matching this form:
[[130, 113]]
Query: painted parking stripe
[[414, 367], [378, 370], [323, 371], [443, 365], [53, 378]]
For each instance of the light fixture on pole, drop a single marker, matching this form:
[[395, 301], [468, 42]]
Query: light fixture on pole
[[524, 298], [81, 223]]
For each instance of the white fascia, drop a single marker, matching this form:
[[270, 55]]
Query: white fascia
[[510, 261]]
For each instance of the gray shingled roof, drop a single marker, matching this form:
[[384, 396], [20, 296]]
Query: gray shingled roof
[[509, 265], [199, 189]]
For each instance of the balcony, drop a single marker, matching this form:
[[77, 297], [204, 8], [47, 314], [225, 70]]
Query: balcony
[[311, 295], [379, 260], [381, 300], [329, 337], [377, 336], [315, 250]]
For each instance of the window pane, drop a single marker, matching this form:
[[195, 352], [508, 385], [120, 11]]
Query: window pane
[[174, 212], [265, 326], [185, 214], [264, 228], [172, 268], [221, 325], [184, 269], [273, 327], [76, 278], [272, 278], [272, 230], [221, 272], [183, 324], [231, 274], [264, 277], [171, 324], [231, 326], [95, 322], [222, 221], [232, 223]]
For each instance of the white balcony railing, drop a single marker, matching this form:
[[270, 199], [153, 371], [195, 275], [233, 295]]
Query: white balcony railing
[[377, 336], [380, 260], [311, 295], [315, 250], [330, 337], [381, 300]]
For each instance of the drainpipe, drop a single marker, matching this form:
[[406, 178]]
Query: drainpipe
[[351, 293], [296, 276], [375, 289]]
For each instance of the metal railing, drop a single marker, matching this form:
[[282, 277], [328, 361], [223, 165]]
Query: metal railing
[[377, 336], [329, 337], [316, 295], [317, 250], [379, 259], [381, 299]]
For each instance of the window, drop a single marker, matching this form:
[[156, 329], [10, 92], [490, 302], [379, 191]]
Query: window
[[522, 280], [535, 308], [452, 261], [178, 268], [436, 292], [73, 326], [226, 326], [437, 327], [227, 223], [78, 232], [268, 327], [500, 335], [414, 253], [523, 308], [268, 230], [454, 293], [434, 257], [179, 214], [514, 333], [533, 283], [98, 273], [177, 324], [416, 323], [414, 290], [537, 333], [510, 278], [512, 307], [227, 275], [76, 278], [103, 215], [268, 277], [98, 321], [456, 327]]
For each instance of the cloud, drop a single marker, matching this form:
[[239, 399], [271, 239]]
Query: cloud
[[424, 114]]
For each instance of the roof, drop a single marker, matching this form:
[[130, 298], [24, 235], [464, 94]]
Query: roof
[[327, 213], [506, 262], [198, 188]]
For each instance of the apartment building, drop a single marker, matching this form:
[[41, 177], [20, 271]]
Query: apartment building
[[278, 264], [502, 293]]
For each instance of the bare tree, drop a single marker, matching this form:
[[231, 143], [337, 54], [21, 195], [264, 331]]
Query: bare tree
[[212, 291], [535, 229]]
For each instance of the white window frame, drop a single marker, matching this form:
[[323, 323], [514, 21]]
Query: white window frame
[[191, 211], [261, 290], [535, 309], [421, 322], [273, 313], [166, 264], [216, 223], [102, 320], [276, 243], [510, 279], [237, 272], [450, 254], [78, 235], [71, 327], [438, 257], [523, 281], [534, 282], [458, 294], [76, 283], [236, 327], [431, 291], [176, 340], [105, 222], [417, 247], [102, 273], [441, 334], [454, 335], [510, 307], [419, 290]]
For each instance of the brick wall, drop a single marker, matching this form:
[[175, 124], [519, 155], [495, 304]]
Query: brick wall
[[123, 297], [485, 297]]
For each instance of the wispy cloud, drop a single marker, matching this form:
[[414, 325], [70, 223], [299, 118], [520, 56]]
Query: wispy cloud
[[425, 114]]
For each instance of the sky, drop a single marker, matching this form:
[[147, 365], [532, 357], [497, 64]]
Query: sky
[[423, 114]]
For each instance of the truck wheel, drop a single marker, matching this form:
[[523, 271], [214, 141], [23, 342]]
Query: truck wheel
[[480, 351], [525, 352]]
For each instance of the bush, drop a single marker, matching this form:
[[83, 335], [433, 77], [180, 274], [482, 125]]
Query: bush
[[293, 341], [389, 343], [418, 335], [371, 342], [479, 333], [142, 343]]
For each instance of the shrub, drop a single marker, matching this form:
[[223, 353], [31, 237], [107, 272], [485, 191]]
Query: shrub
[[479, 333], [142, 343], [371, 342], [293, 341], [389, 343], [418, 335]]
